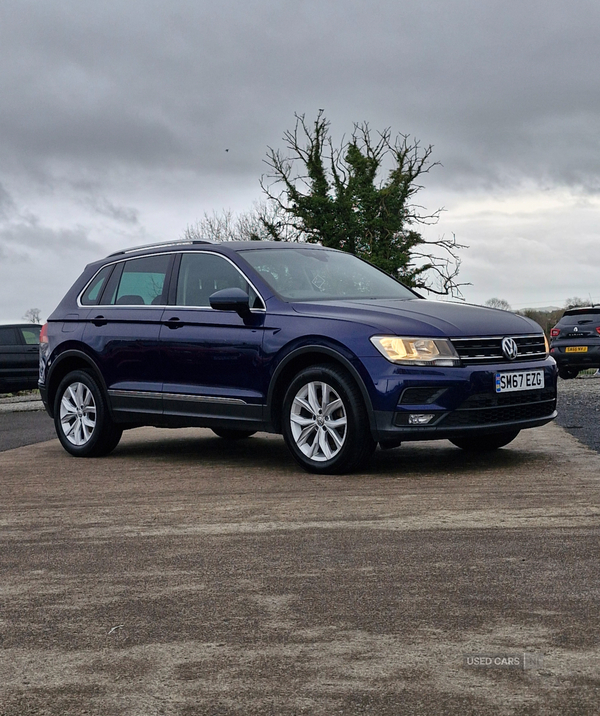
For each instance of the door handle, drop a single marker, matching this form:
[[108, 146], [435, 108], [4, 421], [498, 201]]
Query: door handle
[[174, 322], [99, 321]]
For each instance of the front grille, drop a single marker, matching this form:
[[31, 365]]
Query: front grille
[[479, 351], [498, 400], [506, 413]]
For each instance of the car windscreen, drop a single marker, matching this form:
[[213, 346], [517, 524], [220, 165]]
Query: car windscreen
[[304, 274]]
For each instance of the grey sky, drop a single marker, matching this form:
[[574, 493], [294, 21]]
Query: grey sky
[[116, 117]]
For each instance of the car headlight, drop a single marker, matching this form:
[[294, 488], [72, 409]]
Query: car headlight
[[417, 351]]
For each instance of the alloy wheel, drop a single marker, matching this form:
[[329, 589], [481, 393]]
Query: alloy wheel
[[78, 414], [318, 421]]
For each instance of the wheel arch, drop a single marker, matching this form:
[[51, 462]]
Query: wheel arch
[[305, 357], [64, 364]]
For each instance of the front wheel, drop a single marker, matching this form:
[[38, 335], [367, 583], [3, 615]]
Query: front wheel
[[483, 443], [325, 423], [81, 418]]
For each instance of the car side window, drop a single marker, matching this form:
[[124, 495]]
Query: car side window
[[142, 283], [31, 336], [8, 337], [201, 274], [91, 295]]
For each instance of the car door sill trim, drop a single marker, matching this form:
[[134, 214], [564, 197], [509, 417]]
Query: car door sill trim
[[175, 396]]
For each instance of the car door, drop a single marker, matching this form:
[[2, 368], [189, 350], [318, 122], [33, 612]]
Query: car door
[[212, 358], [122, 330], [19, 357], [30, 335]]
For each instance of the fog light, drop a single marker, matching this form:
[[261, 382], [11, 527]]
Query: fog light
[[420, 418]]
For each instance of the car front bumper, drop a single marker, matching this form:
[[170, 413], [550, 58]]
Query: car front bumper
[[464, 401]]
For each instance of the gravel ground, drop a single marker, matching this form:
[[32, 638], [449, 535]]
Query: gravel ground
[[182, 576], [579, 409]]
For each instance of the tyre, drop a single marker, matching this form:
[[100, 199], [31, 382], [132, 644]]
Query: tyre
[[81, 418], [482, 443], [568, 373], [325, 422], [233, 434]]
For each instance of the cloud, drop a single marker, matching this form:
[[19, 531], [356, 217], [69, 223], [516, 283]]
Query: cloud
[[116, 117], [19, 239], [7, 205], [123, 214], [501, 90], [39, 262], [529, 247]]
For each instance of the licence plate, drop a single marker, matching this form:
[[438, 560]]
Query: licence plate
[[576, 349], [519, 380]]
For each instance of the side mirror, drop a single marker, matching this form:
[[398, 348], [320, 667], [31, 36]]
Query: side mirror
[[230, 299]]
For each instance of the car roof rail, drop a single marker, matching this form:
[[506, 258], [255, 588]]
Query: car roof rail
[[161, 245]]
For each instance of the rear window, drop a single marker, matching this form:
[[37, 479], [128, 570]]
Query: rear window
[[140, 282], [578, 319]]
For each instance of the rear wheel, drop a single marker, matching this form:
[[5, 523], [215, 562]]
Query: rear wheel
[[81, 418], [325, 423], [229, 434], [483, 443], [567, 373]]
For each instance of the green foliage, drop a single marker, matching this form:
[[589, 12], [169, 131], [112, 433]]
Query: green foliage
[[546, 319], [358, 198]]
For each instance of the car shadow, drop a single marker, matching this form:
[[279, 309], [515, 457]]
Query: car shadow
[[263, 451]]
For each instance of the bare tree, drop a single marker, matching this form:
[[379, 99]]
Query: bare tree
[[264, 222], [214, 227], [498, 303], [32, 315], [575, 302]]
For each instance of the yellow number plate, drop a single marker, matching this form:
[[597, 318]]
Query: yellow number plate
[[576, 349]]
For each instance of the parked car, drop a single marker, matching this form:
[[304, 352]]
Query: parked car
[[575, 341], [296, 339], [19, 357]]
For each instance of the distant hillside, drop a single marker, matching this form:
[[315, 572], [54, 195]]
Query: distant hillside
[[542, 309]]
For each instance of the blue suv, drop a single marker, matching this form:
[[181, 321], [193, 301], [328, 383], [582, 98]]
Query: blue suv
[[296, 339]]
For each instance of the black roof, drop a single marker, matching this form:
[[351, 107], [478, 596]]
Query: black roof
[[578, 310]]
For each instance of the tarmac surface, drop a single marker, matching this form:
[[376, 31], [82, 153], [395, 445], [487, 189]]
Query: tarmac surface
[[579, 409], [27, 426], [185, 574]]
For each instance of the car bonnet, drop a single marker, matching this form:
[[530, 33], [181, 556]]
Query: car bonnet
[[421, 317]]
